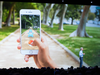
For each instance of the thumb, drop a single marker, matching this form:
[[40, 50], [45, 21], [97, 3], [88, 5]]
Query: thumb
[[37, 42]]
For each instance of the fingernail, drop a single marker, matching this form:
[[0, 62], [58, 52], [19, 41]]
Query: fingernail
[[26, 59]]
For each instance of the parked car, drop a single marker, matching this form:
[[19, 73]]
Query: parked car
[[99, 23], [76, 22], [90, 21], [65, 23]]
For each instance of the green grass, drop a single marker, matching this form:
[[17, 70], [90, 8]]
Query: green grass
[[5, 31], [37, 30], [91, 45], [23, 30]]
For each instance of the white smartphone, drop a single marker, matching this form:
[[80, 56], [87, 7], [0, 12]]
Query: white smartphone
[[30, 29]]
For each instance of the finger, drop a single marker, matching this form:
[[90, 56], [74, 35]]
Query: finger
[[18, 40], [37, 42], [43, 39], [26, 58], [19, 47]]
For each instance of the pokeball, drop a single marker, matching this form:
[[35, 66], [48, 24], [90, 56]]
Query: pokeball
[[30, 42]]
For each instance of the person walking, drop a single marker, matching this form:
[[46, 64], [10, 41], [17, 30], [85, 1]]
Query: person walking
[[81, 56]]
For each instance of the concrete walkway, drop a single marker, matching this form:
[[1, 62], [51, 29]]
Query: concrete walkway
[[10, 56]]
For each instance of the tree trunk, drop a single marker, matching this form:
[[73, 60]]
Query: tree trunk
[[9, 15], [72, 22], [1, 2], [47, 13], [43, 16], [13, 16], [44, 10], [62, 17], [54, 15], [81, 31]]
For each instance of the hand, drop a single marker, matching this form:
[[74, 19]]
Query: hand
[[42, 59], [83, 53]]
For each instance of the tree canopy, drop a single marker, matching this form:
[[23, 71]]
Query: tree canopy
[[73, 11]]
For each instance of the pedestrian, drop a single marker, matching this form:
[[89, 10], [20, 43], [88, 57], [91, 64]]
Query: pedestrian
[[81, 56]]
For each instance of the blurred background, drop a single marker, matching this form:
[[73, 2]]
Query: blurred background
[[72, 25]]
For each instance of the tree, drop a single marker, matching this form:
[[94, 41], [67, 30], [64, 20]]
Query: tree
[[73, 11], [10, 13], [62, 16], [13, 16], [1, 2], [48, 7], [56, 10], [24, 5], [97, 13], [44, 5], [81, 31], [91, 16]]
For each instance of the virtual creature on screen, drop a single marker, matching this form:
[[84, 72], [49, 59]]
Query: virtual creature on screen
[[30, 33]]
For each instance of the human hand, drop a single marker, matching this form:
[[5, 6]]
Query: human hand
[[83, 53], [42, 59]]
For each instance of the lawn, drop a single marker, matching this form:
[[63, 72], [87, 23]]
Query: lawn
[[91, 45], [5, 31], [37, 30], [23, 30]]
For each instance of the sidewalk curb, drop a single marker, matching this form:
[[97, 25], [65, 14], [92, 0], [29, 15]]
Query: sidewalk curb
[[65, 48], [8, 36]]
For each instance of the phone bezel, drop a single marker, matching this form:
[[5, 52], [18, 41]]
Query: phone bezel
[[29, 12]]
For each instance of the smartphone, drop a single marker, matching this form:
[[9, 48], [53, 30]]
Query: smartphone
[[30, 29]]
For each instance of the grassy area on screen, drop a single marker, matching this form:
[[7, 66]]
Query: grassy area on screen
[[23, 30], [37, 30], [91, 45]]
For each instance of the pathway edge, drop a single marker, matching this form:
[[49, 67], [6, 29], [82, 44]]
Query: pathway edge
[[65, 48], [8, 36]]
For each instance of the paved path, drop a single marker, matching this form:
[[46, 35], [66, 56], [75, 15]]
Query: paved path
[[26, 39], [11, 57]]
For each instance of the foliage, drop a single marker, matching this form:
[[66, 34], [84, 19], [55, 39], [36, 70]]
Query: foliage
[[4, 15], [40, 6], [7, 5], [91, 16], [6, 8], [25, 5], [30, 20], [97, 13], [55, 7], [23, 30], [91, 45], [60, 12], [73, 11]]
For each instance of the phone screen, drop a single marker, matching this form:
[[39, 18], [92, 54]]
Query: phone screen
[[30, 30]]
